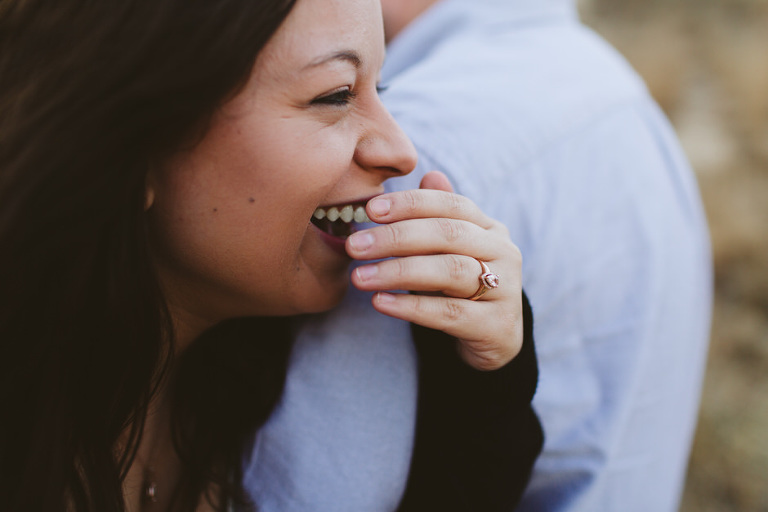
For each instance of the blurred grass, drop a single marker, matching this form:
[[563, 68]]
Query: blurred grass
[[706, 62]]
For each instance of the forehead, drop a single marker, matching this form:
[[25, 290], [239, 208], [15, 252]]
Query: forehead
[[318, 29]]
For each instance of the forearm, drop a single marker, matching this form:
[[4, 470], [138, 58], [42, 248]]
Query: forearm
[[477, 436]]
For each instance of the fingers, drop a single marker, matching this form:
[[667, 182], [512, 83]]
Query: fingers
[[480, 344], [429, 236], [436, 180], [436, 238], [425, 203], [451, 274]]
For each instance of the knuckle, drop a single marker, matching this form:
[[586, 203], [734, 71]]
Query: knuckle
[[514, 251], [420, 307], [481, 358], [457, 204], [501, 227], [413, 201], [394, 235], [399, 268], [451, 230], [457, 268], [453, 311], [511, 252]]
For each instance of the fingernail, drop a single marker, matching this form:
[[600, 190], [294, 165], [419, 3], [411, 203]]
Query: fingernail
[[361, 241], [366, 272], [385, 298], [380, 206]]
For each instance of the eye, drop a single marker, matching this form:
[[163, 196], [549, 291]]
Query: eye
[[380, 88], [338, 98]]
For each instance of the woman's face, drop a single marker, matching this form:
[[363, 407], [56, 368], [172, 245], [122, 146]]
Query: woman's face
[[230, 219]]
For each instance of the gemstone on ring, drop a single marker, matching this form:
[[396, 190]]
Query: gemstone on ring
[[490, 280]]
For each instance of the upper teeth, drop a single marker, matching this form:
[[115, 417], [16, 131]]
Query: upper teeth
[[347, 214]]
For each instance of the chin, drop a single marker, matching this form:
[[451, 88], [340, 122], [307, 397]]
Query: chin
[[327, 296]]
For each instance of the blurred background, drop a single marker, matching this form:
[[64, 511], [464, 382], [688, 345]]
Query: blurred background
[[706, 62]]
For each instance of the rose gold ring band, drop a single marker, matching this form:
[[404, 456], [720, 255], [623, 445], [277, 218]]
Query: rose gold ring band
[[488, 281]]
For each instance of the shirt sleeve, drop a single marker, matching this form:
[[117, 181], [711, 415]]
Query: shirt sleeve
[[617, 267], [477, 435]]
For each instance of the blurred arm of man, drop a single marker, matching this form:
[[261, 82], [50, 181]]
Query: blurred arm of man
[[545, 127]]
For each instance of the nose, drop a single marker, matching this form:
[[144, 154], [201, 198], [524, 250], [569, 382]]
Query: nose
[[384, 147]]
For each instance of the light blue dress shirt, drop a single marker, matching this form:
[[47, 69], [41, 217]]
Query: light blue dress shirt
[[545, 127]]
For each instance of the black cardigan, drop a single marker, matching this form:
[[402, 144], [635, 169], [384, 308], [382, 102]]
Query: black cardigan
[[477, 435]]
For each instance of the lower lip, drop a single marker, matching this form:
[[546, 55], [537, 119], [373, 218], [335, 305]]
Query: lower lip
[[334, 242]]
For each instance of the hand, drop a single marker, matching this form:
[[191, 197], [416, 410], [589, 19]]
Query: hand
[[435, 238]]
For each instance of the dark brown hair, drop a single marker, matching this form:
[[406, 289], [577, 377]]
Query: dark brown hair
[[92, 92]]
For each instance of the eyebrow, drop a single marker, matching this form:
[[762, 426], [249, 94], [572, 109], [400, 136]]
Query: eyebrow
[[350, 56]]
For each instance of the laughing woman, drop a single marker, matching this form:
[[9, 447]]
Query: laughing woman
[[170, 177]]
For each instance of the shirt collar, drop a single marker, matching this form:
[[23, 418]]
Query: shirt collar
[[446, 17]]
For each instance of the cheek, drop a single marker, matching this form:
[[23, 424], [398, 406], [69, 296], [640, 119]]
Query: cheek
[[308, 161], [246, 250], [229, 265], [229, 260], [230, 220]]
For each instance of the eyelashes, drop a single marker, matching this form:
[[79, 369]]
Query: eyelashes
[[338, 98], [342, 97]]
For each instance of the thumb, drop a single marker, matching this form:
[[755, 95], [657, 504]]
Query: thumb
[[436, 180]]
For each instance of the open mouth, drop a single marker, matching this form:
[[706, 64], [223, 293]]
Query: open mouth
[[340, 221]]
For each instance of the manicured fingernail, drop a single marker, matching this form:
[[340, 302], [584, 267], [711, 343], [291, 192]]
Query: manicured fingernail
[[385, 298], [366, 272], [361, 241], [380, 206]]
